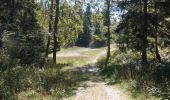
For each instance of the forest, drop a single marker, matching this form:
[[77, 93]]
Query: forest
[[84, 49]]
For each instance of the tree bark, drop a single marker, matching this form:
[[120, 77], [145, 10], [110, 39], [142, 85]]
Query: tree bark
[[144, 38], [158, 57], [56, 31], [50, 28], [108, 33]]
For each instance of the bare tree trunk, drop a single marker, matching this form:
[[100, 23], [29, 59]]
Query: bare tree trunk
[[50, 27], [56, 31], [158, 57], [108, 33], [144, 38]]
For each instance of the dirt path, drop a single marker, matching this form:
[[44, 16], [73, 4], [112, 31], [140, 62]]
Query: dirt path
[[99, 91], [95, 88]]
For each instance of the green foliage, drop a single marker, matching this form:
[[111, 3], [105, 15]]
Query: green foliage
[[38, 83], [98, 36], [121, 64], [6, 61], [42, 17], [17, 79], [70, 25], [85, 37], [127, 67], [26, 52], [130, 27], [93, 29], [23, 38]]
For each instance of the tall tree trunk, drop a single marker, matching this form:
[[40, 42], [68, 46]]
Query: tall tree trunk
[[108, 33], [140, 5], [158, 57], [144, 38], [50, 27], [56, 31]]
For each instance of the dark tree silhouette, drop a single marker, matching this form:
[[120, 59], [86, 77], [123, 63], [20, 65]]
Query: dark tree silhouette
[[144, 37], [158, 57], [56, 31]]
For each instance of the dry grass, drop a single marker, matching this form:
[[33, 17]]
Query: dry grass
[[79, 56]]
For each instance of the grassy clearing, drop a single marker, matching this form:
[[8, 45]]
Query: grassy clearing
[[80, 57], [75, 61]]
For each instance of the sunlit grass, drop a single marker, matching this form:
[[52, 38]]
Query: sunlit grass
[[75, 61], [79, 56], [78, 61]]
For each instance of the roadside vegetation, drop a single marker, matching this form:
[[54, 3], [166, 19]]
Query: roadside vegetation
[[125, 71], [30, 82]]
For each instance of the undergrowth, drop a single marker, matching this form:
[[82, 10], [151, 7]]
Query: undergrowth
[[126, 68], [30, 82]]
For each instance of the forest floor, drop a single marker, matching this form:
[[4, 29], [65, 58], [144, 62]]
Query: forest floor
[[94, 88]]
